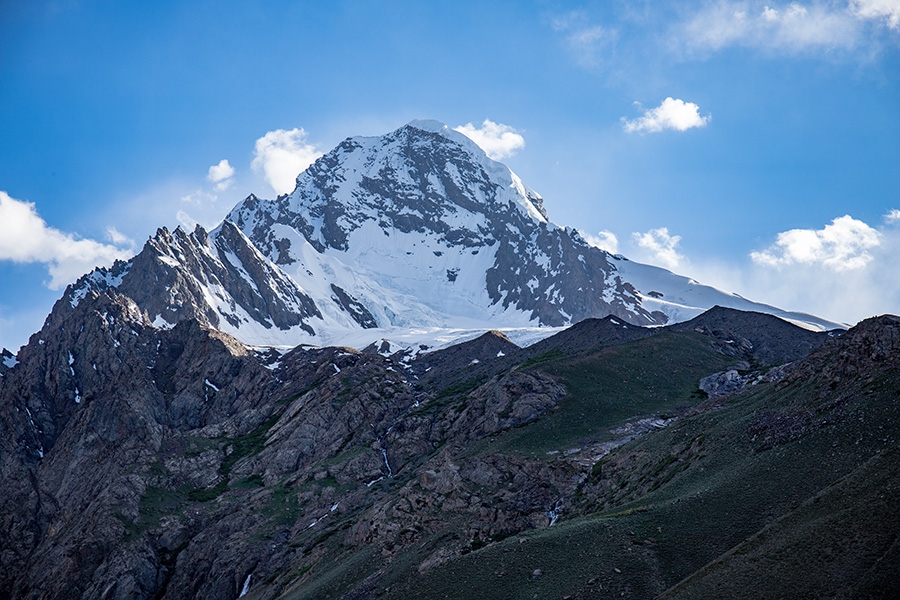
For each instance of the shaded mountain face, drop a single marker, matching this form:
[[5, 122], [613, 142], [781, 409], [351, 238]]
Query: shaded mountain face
[[767, 339], [415, 229], [218, 279]]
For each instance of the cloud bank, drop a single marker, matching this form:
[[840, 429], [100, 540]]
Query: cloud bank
[[845, 271], [844, 245], [26, 238], [671, 114], [625, 40], [794, 27], [791, 28], [498, 141], [281, 155]]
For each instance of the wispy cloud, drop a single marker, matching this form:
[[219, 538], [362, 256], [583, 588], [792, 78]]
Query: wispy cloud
[[118, 238], [618, 41], [887, 11], [592, 45], [281, 155], [605, 240], [893, 216], [671, 114], [844, 245], [221, 174], [26, 238], [661, 247], [187, 222], [199, 197], [198, 201], [795, 27], [498, 141]]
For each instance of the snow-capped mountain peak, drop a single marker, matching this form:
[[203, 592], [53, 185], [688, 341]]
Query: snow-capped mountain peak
[[414, 230], [423, 211]]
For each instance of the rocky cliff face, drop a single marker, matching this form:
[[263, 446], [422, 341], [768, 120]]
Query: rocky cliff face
[[97, 395], [143, 462], [219, 279], [148, 462]]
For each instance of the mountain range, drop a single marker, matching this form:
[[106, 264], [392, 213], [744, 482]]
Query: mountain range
[[403, 381], [413, 230]]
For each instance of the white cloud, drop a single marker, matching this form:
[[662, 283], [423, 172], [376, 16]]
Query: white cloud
[[793, 27], [671, 114], [861, 283], [221, 174], [281, 155], [844, 245], [588, 38], [605, 240], [887, 10], [140, 213], [118, 238], [822, 285], [842, 296], [202, 204], [26, 238], [893, 216], [661, 246], [199, 197], [188, 223], [845, 296], [498, 141], [621, 42]]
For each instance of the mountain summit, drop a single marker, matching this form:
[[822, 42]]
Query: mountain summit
[[422, 228], [417, 228]]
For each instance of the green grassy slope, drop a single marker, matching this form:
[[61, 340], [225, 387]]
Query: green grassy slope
[[788, 490], [612, 385]]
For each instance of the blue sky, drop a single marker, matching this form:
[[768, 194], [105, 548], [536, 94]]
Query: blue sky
[[751, 145]]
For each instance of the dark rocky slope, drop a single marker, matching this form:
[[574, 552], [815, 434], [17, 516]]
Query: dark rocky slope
[[146, 463], [786, 489]]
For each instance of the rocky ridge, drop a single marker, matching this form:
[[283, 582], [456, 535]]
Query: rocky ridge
[[178, 463], [137, 451]]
